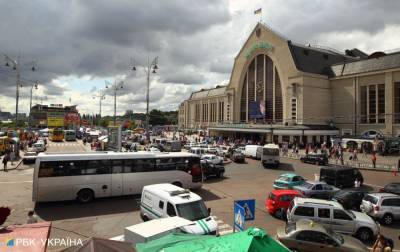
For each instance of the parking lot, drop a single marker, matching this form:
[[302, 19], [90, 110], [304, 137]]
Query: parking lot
[[108, 217]]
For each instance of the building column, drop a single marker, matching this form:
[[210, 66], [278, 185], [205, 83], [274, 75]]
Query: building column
[[247, 98], [273, 92], [389, 101], [217, 108], [208, 111]]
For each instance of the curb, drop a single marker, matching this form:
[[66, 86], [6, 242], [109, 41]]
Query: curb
[[355, 166]]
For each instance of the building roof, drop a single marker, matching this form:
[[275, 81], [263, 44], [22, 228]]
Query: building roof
[[367, 65], [316, 60], [218, 91]]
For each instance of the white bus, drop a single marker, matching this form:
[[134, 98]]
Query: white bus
[[270, 155], [86, 176], [69, 135]]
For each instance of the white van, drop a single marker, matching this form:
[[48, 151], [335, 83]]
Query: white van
[[270, 155], [253, 151], [167, 200]]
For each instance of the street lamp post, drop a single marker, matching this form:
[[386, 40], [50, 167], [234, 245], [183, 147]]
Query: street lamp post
[[35, 85], [101, 97], [150, 66], [17, 67], [115, 87]]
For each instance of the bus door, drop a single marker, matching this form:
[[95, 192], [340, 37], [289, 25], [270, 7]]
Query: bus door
[[117, 187]]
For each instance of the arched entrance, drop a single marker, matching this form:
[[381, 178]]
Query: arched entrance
[[261, 99]]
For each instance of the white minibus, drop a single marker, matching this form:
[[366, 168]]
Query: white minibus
[[270, 155]]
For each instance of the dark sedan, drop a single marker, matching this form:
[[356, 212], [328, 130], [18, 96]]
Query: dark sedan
[[312, 158], [29, 157], [210, 169], [350, 200], [237, 157], [391, 188]]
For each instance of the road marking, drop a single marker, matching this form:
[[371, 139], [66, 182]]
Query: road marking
[[223, 228], [15, 182]]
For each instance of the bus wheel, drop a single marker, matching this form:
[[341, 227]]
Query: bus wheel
[[178, 184], [85, 195]]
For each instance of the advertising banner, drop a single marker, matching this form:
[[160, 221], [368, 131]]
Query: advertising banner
[[256, 110], [55, 119]]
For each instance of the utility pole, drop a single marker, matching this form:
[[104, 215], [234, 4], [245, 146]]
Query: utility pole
[[101, 97], [115, 87], [35, 85], [150, 66], [17, 68]]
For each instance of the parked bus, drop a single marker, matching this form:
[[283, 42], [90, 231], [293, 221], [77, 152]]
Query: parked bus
[[86, 176], [56, 135], [70, 135], [270, 155]]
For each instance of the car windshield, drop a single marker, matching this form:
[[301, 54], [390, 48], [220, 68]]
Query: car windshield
[[307, 185], [350, 213], [334, 235], [193, 211], [284, 178], [272, 152], [371, 199]]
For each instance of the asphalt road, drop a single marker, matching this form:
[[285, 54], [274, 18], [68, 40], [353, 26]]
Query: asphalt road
[[108, 217]]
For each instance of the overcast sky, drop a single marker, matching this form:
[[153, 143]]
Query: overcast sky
[[78, 45]]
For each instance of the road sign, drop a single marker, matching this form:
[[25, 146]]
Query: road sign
[[249, 208], [238, 217]]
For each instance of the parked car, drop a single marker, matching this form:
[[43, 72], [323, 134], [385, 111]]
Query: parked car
[[214, 159], [307, 235], [313, 158], [349, 199], [29, 157], [288, 180], [332, 214], [382, 206], [223, 151], [340, 176], [210, 169], [237, 157], [39, 146], [316, 189], [391, 188], [278, 202], [211, 150]]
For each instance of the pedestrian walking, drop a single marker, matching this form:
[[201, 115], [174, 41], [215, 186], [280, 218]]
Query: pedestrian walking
[[355, 157], [373, 159], [5, 160]]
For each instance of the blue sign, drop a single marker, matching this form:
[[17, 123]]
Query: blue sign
[[238, 217], [249, 208]]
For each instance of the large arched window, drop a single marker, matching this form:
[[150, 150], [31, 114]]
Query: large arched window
[[261, 98]]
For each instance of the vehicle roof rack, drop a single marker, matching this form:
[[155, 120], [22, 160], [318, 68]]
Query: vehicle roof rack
[[179, 192]]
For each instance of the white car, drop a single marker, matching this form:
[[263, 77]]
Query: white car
[[39, 146], [214, 159]]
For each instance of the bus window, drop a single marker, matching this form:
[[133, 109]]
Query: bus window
[[97, 167], [117, 166]]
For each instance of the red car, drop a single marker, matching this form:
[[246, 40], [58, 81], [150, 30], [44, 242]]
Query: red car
[[278, 201]]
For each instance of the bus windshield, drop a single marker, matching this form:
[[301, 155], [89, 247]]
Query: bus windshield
[[193, 211], [271, 151]]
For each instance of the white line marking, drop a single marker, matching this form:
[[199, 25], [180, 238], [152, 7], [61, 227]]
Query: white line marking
[[15, 182], [225, 232], [224, 226]]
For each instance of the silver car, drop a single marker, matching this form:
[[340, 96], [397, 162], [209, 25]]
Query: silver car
[[382, 206], [316, 189]]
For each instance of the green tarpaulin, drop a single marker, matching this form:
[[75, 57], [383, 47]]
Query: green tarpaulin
[[251, 240]]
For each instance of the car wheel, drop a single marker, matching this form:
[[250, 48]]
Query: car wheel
[[364, 234], [280, 214], [144, 217], [85, 195], [387, 219]]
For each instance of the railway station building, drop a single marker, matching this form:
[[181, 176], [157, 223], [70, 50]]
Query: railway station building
[[282, 91]]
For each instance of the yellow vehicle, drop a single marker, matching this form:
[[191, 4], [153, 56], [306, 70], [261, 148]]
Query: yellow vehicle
[[56, 135], [3, 144]]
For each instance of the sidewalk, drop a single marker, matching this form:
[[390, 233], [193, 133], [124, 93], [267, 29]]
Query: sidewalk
[[388, 164]]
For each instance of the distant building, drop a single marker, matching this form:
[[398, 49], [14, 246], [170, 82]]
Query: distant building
[[54, 116], [4, 116], [282, 91]]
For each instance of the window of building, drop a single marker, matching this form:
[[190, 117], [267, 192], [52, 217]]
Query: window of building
[[278, 98], [294, 108], [363, 104], [372, 104], [381, 103], [396, 102]]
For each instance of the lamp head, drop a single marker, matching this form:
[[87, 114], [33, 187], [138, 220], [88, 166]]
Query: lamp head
[[154, 71], [7, 64], [133, 68], [155, 66]]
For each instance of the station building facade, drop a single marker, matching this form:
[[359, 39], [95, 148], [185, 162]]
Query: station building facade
[[281, 91]]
